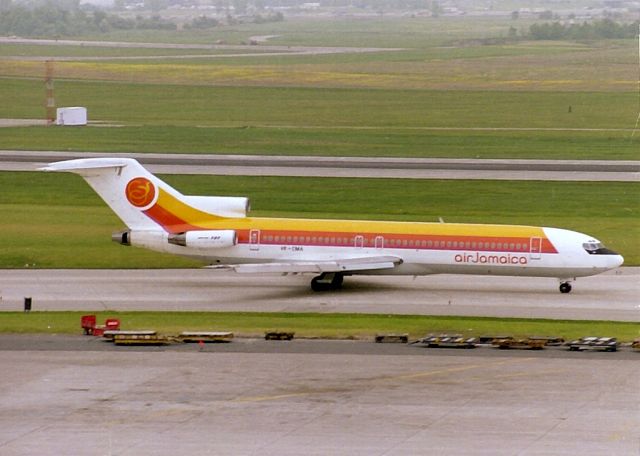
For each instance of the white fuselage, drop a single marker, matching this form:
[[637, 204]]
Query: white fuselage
[[570, 261]]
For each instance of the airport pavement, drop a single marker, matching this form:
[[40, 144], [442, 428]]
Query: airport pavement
[[300, 346], [610, 296], [316, 402], [364, 167]]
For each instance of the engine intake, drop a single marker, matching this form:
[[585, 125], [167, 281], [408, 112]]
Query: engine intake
[[208, 239]]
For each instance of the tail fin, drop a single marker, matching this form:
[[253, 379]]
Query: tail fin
[[144, 202]]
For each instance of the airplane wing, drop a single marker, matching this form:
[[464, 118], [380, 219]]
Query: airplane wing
[[337, 265]]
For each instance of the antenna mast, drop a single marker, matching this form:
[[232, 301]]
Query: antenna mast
[[50, 104], [638, 119]]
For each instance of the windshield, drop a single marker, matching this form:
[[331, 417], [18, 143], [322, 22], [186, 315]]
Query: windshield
[[597, 248]]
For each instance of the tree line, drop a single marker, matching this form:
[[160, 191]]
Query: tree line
[[601, 29], [69, 18]]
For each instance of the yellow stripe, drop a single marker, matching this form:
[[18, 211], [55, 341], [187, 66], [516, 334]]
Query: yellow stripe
[[185, 212], [364, 226], [206, 220]]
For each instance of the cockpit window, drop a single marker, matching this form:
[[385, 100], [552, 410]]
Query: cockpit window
[[592, 246], [596, 248]]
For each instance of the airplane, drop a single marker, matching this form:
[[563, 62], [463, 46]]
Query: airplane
[[219, 231]]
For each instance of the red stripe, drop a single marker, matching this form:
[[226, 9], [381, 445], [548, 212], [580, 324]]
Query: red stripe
[[170, 222], [397, 241]]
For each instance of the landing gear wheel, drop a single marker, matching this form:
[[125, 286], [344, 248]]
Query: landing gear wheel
[[565, 287], [317, 285], [327, 281]]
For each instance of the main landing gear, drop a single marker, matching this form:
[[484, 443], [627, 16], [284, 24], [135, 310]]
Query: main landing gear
[[565, 287], [327, 281]]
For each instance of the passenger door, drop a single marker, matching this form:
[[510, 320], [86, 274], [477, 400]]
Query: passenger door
[[254, 240], [535, 248]]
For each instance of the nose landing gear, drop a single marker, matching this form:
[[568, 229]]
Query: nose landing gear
[[565, 287]]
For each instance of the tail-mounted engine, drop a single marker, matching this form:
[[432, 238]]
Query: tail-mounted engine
[[122, 237], [211, 239]]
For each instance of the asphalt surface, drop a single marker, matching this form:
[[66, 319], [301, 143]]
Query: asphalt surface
[[326, 399], [83, 396], [380, 167], [610, 296], [82, 343]]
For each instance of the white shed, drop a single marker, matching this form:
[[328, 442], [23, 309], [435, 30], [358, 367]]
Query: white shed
[[76, 115]]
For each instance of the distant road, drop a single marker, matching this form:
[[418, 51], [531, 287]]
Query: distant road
[[259, 50], [369, 167]]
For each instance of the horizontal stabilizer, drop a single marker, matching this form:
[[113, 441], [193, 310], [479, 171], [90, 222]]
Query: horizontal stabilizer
[[82, 164]]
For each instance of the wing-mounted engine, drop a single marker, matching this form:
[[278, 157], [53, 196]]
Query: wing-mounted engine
[[224, 206], [209, 239]]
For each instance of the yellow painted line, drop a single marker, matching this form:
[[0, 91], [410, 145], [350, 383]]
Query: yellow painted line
[[272, 398], [524, 374], [626, 432], [450, 370], [456, 369]]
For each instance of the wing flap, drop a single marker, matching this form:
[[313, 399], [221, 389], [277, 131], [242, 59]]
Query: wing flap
[[338, 265]]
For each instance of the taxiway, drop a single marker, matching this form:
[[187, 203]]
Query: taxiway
[[609, 296], [363, 167]]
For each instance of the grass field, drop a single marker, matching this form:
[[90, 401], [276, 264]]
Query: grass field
[[56, 221], [512, 67], [349, 122], [353, 326], [453, 73]]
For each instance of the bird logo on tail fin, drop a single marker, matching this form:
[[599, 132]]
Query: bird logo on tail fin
[[140, 192]]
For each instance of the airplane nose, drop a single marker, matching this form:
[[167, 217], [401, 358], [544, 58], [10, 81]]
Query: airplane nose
[[617, 260]]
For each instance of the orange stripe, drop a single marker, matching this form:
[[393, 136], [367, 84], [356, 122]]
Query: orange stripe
[[170, 222]]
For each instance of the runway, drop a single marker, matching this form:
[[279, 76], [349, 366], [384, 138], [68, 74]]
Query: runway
[[609, 296], [362, 167]]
